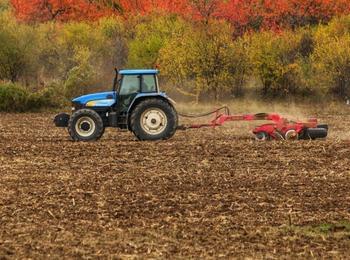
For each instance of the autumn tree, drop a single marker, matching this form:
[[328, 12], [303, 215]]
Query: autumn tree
[[205, 60], [205, 9], [17, 48], [247, 15], [331, 57], [150, 37], [280, 62]]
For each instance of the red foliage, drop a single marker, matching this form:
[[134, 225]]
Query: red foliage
[[243, 14], [148, 6], [277, 14]]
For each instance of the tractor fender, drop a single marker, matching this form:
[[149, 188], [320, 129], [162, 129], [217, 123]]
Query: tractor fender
[[143, 96]]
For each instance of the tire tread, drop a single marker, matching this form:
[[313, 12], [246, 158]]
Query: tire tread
[[138, 110], [86, 112]]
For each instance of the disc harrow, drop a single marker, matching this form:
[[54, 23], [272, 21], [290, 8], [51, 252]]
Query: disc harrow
[[279, 128]]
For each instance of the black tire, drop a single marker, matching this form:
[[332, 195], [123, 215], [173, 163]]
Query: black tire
[[165, 111], [316, 133], [324, 126], [91, 131]]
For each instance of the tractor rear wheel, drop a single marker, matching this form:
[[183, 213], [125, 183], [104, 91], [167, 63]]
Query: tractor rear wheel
[[85, 125], [153, 119]]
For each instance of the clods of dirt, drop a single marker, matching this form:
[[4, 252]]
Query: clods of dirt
[[204, 193]]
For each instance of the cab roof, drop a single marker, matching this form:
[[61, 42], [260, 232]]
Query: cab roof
[[138, 72]]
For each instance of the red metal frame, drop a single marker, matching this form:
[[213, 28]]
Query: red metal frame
[[278, 129]]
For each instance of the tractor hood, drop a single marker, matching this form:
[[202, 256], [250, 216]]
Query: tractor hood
[[101, 99]]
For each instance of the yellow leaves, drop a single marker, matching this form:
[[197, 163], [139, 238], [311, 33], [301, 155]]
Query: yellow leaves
[[331, 57], [111, 27], [150, 38], [206, 59], [293, 67], [278, 61]]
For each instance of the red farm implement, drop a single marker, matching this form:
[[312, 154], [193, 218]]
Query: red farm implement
[[279, 128]]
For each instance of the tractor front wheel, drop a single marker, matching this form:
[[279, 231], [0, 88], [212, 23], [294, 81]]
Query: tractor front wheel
[[153, 119], [85, 125]]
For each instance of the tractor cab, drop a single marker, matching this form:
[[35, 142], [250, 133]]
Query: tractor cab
[[141, 81], [133, 83], [135, 103]]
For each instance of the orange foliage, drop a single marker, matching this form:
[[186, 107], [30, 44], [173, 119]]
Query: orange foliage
[[277, 14], [243, 14]]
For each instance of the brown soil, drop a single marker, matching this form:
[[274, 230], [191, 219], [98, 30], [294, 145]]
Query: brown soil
[[204, 193]]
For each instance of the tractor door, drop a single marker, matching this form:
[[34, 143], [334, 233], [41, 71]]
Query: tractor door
[[130, 86], [149, 83]]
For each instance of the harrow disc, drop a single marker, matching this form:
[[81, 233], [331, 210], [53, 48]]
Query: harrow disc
[[262, 136], [291, 135]]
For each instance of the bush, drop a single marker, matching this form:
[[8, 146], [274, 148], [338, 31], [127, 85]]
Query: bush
[[13, 98], [49, 97]]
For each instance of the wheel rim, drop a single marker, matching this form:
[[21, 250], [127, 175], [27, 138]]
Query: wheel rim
[[85, 126], [261, 136], [291, 135], [153, 121]]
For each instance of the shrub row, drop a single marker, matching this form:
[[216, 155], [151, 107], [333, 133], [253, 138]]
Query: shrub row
[[15, 98]]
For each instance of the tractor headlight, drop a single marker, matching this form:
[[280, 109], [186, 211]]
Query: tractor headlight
[[91, 104]]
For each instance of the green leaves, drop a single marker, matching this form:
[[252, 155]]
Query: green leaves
[[150, 38]]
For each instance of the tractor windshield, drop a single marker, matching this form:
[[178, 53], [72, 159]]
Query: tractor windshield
[[138, 83], [130, 84]]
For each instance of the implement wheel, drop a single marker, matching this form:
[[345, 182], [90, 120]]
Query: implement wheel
[[85, 125], [153, 119], [262, 136]]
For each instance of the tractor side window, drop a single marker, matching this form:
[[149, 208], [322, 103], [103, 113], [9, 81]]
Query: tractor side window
[[130, 84], [149, 83]]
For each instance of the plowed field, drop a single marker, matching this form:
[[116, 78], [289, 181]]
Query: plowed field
[[204, 193]]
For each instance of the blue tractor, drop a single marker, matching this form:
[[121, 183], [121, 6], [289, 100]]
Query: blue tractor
[[135, 103]]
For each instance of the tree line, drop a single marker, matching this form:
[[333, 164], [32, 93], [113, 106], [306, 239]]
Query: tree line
[[44, 64]]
